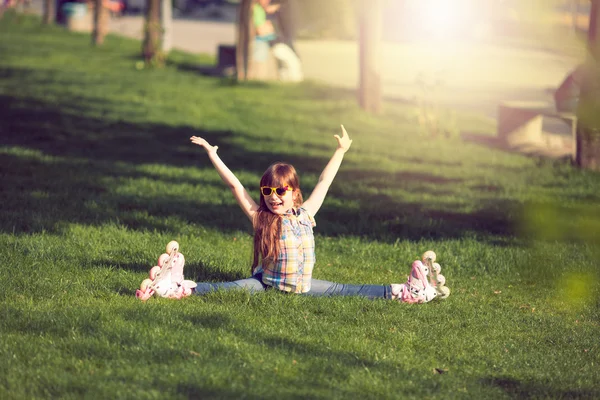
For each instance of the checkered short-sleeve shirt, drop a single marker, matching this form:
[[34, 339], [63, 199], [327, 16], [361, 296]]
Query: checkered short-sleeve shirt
[[292, 271]]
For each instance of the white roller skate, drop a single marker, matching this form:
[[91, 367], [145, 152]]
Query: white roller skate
[[166, 279], [424, 283]]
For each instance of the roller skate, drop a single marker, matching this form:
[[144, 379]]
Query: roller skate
[[424, 283], [166, 279]]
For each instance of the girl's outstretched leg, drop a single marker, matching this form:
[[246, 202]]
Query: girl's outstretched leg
[[253, 284], [326, 288]]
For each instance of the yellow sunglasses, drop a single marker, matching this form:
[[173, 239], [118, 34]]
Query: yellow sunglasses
[[280, 191]]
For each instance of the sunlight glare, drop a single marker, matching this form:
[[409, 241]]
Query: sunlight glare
[[442, 18]]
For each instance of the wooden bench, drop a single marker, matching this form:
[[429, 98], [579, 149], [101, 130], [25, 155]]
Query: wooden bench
[[520, 123]]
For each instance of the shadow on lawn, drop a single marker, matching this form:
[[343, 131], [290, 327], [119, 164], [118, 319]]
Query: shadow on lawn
[[308, 355], [63, 180], [527, 390], [200, 272]]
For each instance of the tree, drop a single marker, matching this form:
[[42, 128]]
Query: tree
[[370, 28], [244, 38], [100, 23], [587, 153], [152, 33], [167, 26], [49, 12], [574, 15]]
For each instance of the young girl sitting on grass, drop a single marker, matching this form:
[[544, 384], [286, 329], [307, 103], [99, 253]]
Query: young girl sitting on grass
[[284, 246]]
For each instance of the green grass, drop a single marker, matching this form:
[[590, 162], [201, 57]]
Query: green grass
[[98, 175]]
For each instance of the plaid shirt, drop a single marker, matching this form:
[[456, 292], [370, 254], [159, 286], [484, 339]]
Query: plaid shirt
[[292, 271]]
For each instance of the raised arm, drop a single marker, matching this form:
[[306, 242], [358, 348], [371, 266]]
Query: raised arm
[[246, 203], [314, 202]]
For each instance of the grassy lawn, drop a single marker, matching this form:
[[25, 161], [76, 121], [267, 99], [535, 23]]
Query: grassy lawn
[[98, 175]]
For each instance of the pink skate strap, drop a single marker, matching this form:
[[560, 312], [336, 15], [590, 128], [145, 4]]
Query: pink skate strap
[[144, 295], [406, 296], [418, 272], [416, 281]]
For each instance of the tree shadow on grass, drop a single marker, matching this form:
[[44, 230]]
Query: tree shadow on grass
[[199, 272], [205, 391], [58, 159], [336, 364], [390, 217], [527, 390]]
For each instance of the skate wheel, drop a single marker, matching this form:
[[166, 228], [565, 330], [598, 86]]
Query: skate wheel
[[153, 271], [172, 246], [429, 255], [443, 292], [441, 280]]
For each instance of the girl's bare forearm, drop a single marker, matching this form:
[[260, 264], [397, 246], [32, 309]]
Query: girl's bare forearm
[[224, 172], [332, 167]]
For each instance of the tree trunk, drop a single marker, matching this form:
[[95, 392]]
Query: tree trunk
[[152, 33], [167, 25], [49, 12], [245, 37], [574, 14], [587, 152], [100, 23], [370, 28]]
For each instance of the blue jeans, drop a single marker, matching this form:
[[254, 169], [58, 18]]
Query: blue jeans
[[318, 288]]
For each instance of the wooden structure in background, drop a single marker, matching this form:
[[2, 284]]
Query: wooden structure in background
[[587, 142], [520, 126]]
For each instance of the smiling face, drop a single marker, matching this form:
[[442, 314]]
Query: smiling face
[[281, 175], [280, 204]]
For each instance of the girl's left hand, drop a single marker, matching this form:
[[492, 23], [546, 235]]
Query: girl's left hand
[[203, 143], [344, 142]]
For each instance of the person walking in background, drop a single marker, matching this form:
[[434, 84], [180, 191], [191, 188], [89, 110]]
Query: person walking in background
[[276, 36], [263, 35], [288, 61]]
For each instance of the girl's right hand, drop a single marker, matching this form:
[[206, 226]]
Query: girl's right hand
[[344, 142], [203, 143]]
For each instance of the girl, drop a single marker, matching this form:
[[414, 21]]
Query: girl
[[284, 247]]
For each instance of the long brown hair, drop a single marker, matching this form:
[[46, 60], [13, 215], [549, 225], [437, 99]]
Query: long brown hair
[[267, 225]]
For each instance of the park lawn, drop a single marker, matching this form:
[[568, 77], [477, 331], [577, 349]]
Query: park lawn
[[98, 175]]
